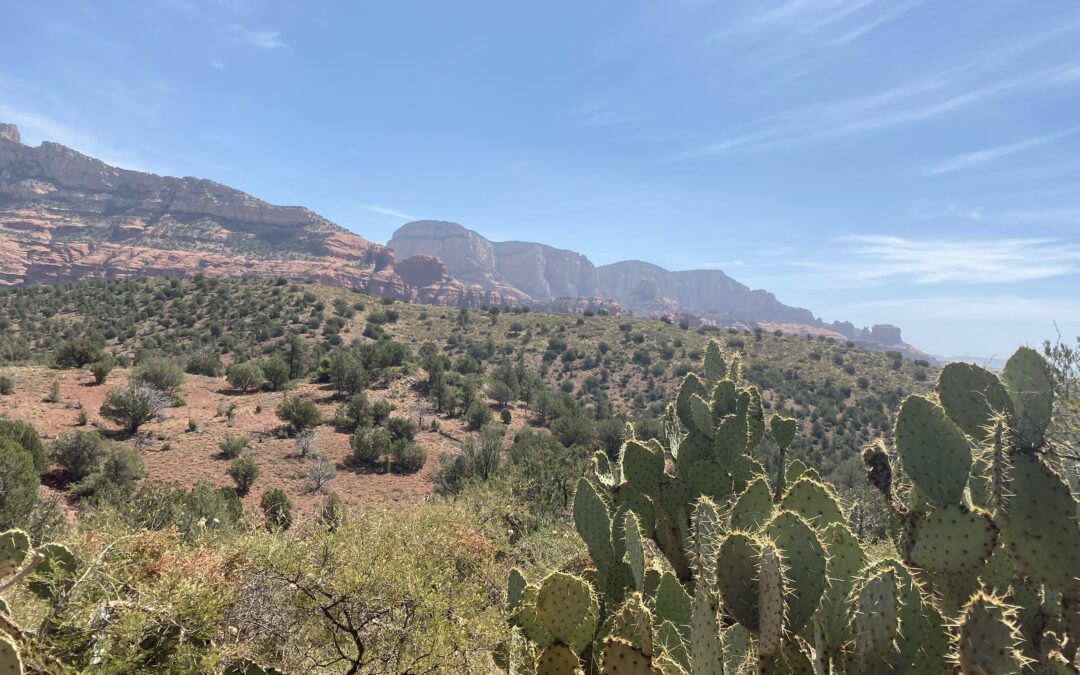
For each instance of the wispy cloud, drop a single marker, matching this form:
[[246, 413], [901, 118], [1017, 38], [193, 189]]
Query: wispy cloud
[[834, 21], [260, 39], [1015, 307], [971, 159], [919, 99], [877, 259], [386, 211]]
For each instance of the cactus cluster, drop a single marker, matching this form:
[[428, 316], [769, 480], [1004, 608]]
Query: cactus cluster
[[47, 570], [703, 563]]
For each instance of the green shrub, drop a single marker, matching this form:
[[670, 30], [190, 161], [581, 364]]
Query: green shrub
[[7, 385], [368, 445], [408, 457], [277, 508], [245, 376], [477, 415], [356, 413], [243, 471], [300, 413], [380, 411], [79, 453], [121, 467], [205, 363], [232, 447], [402, 427], [26, 436], [134, 406], [100, 369], [159, 372], [20, 484], [506, 416]]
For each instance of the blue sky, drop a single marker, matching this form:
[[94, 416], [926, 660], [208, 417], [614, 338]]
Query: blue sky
[[903, 161]]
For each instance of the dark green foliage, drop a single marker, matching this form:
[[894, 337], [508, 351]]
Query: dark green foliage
[[408, 457], [205, 363], [246, 376], [356, 413], [231, 447], [101, 368], [159, 372], [19, 479], [477, 415], [79, 453], [479, 460], [120, 468], [133, 406], [402, 428], [243, 471], [277, 508], [368, 445], [78, 352], [300, 413], [26, 436], [276, 372], [7, 385]]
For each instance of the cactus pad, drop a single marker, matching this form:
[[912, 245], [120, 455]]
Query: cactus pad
[[771, 607], [14, 547], [706, 650], [602, 468], [633, 623], [754, 507], [593, 522], [568, 609], [814, 501], [515, 586], [935, 453], [710, 479], [972, 397], [846, 560], [642, 467], [737, 568], [1040, 529], [715, 367], [526, 618], [783, 430], [691, 385], [989, 640], [558, 659], [622, 658], [1030, 383], [10, 661], [954, 539], [56, 567], [876, 621], [626, 498], [673, 605], [804, 556], [635, 551]]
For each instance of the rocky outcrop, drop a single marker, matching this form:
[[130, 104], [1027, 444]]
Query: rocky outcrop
[[644, 287], [10, 132], [540, 272], [65, 216]]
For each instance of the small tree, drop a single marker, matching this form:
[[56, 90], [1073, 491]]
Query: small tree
[[277, 508], [300, 413], [402, 427], [7, 385], [332, 511], [101, 369], [477, 415], [77, 353], [306, 443], [78, 453], [159, 372], [277, 373], [245, 376], [321, 474], [356, 413], [134, 406], [243, 471]]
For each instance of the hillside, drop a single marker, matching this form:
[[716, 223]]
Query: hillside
[[607, 367]]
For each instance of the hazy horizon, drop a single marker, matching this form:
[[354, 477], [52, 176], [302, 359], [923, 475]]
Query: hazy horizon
[[904, 162]]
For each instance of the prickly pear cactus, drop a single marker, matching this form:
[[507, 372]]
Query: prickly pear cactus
[[10, 661]]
